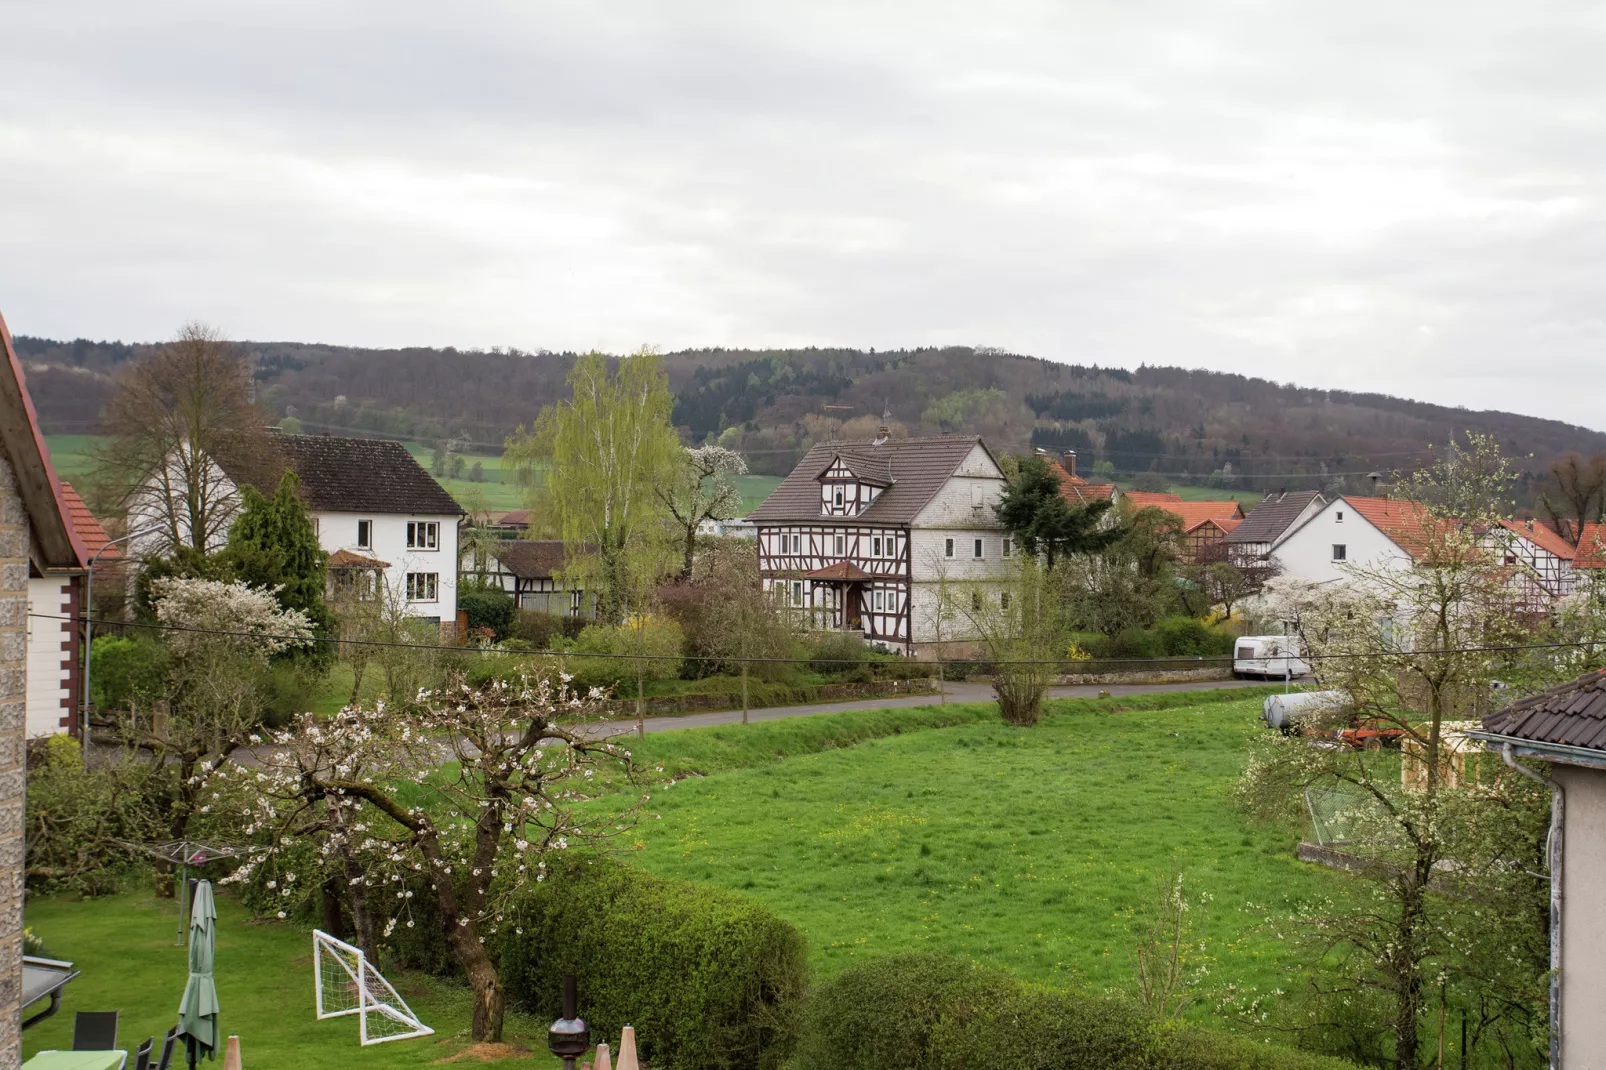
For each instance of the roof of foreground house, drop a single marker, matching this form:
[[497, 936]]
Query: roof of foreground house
[[913, 470], [1406, 523], [23, 443], [1569, 715], [1273, 516], [362, 475], [89, 530]]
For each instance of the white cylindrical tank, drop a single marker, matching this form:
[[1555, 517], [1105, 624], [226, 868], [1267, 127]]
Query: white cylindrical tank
[[1281, 711]]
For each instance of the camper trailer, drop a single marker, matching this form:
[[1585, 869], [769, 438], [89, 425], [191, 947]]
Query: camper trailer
[[1271, 657]]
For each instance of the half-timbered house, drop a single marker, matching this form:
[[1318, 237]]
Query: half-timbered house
[[861, 537]]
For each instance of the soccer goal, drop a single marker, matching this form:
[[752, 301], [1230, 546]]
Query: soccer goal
[[347, 983]]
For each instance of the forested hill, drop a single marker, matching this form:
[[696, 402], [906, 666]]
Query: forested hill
[[1187, 426]]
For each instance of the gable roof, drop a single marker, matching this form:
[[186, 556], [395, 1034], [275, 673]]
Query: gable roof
[[347, 559], [532, 559], [361, 475], [1591, 552], [1404, 522], [90, 533], [1571, 715], [1145, 498], [1224, 524], [23, 444], [1273, 516], [915, 469], [1541, 536]]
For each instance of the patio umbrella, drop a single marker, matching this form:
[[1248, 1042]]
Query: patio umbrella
[[197, 1011]]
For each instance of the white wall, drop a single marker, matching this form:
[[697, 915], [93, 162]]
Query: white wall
[[47, 680], [1307, 552], [1583, 917], [338, 531]]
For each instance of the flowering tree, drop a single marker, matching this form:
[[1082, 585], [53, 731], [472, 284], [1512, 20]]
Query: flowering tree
[[466, 790], [222, 637], [702, 487]]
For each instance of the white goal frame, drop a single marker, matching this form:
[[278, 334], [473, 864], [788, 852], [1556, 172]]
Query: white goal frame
[[374, 994]]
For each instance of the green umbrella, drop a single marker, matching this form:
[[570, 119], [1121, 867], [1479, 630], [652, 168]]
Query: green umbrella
[[197, 1011]]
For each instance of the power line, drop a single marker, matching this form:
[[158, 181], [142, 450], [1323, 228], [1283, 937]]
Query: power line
[[393, 644]]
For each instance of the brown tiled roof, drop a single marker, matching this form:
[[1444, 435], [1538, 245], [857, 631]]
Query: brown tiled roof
[[90, 533], [361, 475], [914, 469], [841, 570], [347, 559], [1591, 552], [513, 518], [1079, 491], [532, 559], [1269, 519], [1142, 499], [1573, 714], [1226, 525], [1407, 524], [1541, 536]]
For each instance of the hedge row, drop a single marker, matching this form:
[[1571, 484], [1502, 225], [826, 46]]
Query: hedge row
[[709, 979], [933, 1012]]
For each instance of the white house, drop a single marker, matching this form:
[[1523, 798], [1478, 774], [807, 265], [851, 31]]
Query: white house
[[1347, 531], [862, 535], [55, 635], [1543, 559], [531, 571], [369, 498], [1272, 518]]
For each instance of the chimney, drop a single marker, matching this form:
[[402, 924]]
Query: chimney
[[883, 432], [1068, 461]]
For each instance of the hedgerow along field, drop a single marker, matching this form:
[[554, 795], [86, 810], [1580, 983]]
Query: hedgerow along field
[[1035, 849]]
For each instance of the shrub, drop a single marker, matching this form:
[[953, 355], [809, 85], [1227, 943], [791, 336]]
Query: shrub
[[709, 979], [75, 819], [125, 671], [488, 607], [658, 637], [1191, 637], [539, 629], [933, 1012], [838, 654]]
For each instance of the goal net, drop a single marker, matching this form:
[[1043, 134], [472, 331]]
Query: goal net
[[347, 983]]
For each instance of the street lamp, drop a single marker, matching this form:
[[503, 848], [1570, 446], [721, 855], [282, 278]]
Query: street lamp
[[89, 630]]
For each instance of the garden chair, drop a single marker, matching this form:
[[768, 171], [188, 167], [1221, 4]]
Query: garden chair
[[94, 1031], [167, 1049], [142, 1054]]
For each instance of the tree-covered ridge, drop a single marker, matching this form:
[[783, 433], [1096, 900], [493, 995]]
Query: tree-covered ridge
[[771, 405]]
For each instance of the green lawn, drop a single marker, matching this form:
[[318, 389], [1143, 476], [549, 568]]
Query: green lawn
[[124, 946], [1247, 498], [1028, 848], [72, 455]]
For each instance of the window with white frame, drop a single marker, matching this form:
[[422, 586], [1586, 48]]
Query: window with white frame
[[1009, 546], [975, 551], [1338, 516], [880, 600], [947, 547], [1340, 552], [838, 496], [797, 544], [365, 534], [423, 586], [797, 592], [841, 545], [423, 535], [875, 546]]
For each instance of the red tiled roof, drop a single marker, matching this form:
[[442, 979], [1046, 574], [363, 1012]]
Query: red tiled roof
[[1079, 491], [1591, 552], [347, 559], [515, 518], [1406, 523], [1195, 513], [1225, 524], [1142, 499], [841, 570], [1541, 536], [88, 529]]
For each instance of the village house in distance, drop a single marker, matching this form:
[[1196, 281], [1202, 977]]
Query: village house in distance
[[380, 516], [860, 536]]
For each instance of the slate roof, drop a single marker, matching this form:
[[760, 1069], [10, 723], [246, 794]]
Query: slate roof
[[361, 475], [1573, 714], [1272, 516], [88, 528], [915, 469], [1591, 552], [532, 559], [1541, 536]]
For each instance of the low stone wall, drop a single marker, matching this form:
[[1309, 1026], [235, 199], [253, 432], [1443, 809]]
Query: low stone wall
[[670, 705], [1152, 676]]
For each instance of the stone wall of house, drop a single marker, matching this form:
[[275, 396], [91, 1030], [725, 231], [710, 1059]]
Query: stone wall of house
[[13, 691]]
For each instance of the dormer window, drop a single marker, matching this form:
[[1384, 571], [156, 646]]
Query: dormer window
[[839, 497]]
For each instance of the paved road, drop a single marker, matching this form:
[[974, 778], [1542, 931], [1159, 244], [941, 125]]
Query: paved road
[[957, 693]]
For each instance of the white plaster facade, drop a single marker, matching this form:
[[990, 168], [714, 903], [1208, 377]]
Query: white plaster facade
[[1583, 916], [389, 540], [50, 655], [1310, 551]]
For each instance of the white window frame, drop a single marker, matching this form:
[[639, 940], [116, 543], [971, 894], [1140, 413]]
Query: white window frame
[[423, 586], [875, 546], [1008, 546], [880, 600], [797, 544], [797, 593], [424, 535], [948, 548], [841, 545], [976, 551], [365, 527], [839, 497], [1338, 516], [1340, 551]]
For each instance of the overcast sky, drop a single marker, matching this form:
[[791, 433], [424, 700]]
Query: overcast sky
[[1365, 194]]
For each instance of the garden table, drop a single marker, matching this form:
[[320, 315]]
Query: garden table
[[77, 1060]]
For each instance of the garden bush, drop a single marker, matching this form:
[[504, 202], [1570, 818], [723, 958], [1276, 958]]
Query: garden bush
[[540, 629], [709, 979], [76, 820], [933, 1012], [657, 637], [126, 670], [488, 607], [1173, 637]]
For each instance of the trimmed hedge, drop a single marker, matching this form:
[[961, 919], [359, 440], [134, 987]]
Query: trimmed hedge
[[934, 1012], [709, 979]]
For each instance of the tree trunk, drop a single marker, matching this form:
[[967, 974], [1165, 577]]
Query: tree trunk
[[334, 919], [362, 919], [490, 1001], [690, 552], [1408, 972]]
